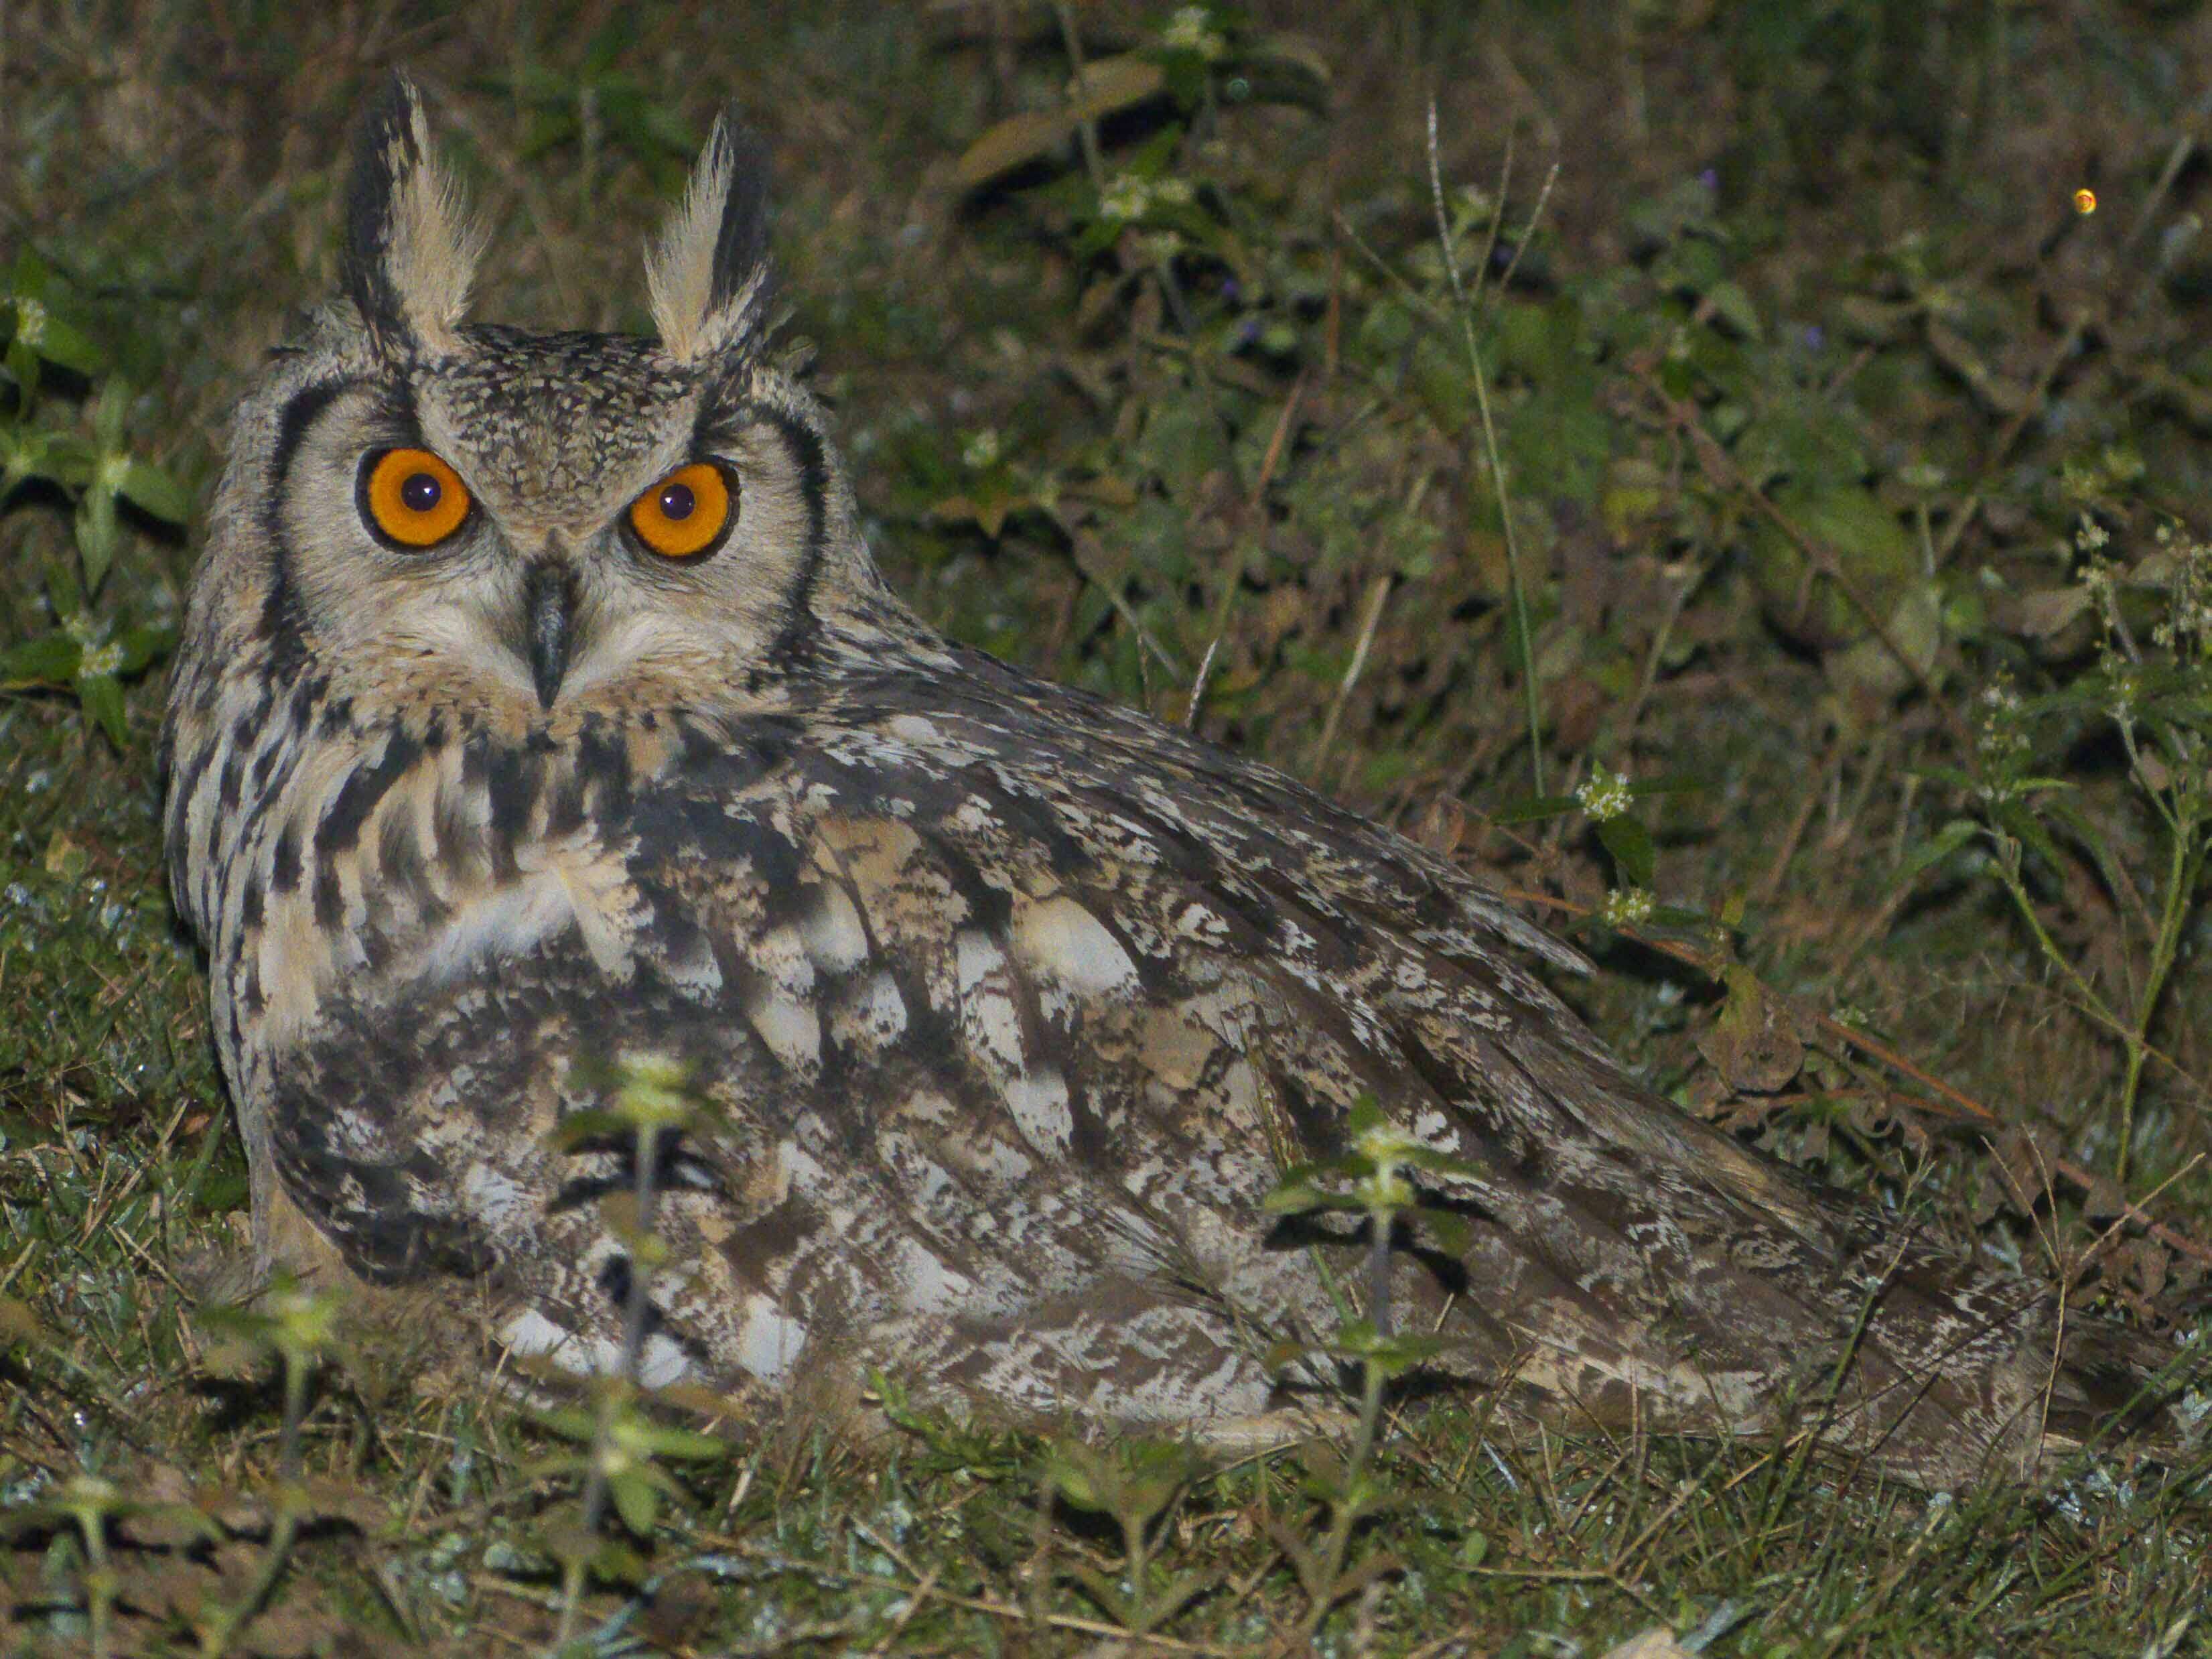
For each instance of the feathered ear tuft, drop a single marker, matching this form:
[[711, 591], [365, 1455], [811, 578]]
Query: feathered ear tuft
[[707, 274], [410, 251]]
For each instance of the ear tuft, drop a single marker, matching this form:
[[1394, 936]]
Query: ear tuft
[[707, 274], [410, 251]]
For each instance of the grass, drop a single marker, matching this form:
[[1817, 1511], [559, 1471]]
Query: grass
[[1808, 400]]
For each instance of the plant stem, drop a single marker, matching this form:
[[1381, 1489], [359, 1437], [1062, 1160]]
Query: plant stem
[[1516, 589], [614, 1396], [2184, 865], [1378, 1271], [295, 1413], [282, 1536], [99, 1582], [1086, 129]]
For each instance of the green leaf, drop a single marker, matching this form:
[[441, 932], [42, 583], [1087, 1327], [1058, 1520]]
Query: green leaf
[[2028, 831], [1290, 1198], [97, 537], [1402, 1353], [37, 329], [1435, 1162], [1178, 1593], [24, 455], [570, 1423], [1528, 809], [636, 1500], [1938, 848], [1557, 441], [2093, 842], [24, 370], [681, 1443], [1864, 537], [143, 646], [1734, 307], [1630, 844], [149, 488], [1106, 1592], [1070, 1477], [579, 1129], [51, 660], [111, 413], [102, 697]]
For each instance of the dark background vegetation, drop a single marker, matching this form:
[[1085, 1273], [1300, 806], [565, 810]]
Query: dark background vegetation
[[1834, 461]]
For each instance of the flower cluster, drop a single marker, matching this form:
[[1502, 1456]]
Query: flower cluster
[[1603, 794], [1191, 29], [2187, 628], [30, 322], [1130, 197], [1626, 906]]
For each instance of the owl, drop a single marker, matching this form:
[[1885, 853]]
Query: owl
[[541, 705]]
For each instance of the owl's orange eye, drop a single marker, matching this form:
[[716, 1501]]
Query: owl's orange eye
[[685, 514], [412, 497]]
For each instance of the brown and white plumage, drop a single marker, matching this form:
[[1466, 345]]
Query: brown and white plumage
[[1011, 1003]]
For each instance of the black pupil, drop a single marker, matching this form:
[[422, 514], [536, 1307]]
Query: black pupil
[[421, 493], [677, 501]]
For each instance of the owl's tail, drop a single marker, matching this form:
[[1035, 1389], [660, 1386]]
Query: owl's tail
[[1634, 1266]]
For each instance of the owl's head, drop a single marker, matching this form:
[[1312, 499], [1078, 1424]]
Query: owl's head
[[535, 525]]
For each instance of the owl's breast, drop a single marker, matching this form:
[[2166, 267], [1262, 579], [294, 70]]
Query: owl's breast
[[424, 856]]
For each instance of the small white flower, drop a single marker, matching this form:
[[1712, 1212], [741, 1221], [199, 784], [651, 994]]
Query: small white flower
[[1126, 198], [1625, 907], [30, 321], [981, 449], [102, 660], [1603, 794], [84, 628], [1175, 191], [1191, 29], [1386, 1190], [2091, 536]]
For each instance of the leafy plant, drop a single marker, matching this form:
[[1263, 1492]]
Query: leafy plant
[[2151, 689], [1138, 1484], [1372, 1180], [651, 1104], [298, 1325], [73, 449]]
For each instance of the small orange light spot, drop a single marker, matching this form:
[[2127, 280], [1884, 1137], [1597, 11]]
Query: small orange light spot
[[2085, 202]]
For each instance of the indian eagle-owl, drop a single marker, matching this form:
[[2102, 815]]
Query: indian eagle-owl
[[541, 702]]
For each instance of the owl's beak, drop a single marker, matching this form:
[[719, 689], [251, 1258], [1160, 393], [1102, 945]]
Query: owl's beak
[[548, 601]]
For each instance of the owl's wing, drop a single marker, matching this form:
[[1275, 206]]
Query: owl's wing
[[1079, 988]]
